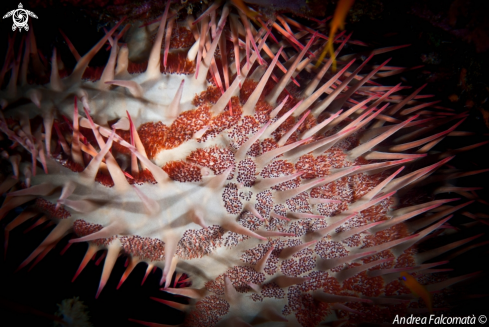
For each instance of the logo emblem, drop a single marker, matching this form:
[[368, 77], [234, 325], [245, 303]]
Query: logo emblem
[[20, 17]]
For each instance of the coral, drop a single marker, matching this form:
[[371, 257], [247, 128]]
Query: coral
[[73, 312], [281, 191]]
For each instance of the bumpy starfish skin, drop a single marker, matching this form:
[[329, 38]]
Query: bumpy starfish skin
[[275, 202]]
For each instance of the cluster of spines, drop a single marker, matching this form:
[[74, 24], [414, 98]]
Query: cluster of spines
[[291, 151]]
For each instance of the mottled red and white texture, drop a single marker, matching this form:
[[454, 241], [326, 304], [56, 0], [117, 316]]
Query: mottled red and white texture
[[205, 201]]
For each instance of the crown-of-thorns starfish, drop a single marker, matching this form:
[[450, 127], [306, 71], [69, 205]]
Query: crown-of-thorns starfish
[[274, 186]]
